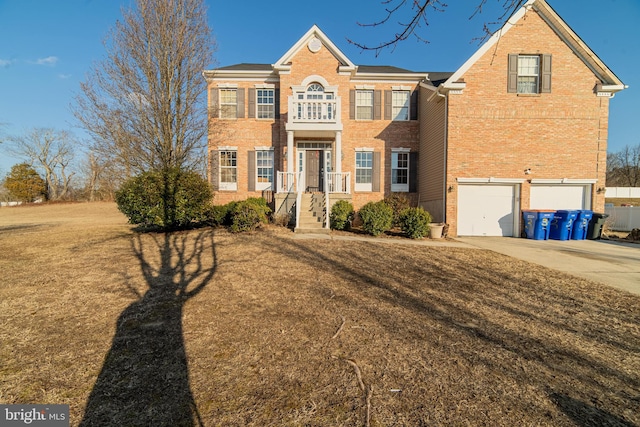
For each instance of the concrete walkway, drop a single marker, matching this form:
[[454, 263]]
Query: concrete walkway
[[616, 264]]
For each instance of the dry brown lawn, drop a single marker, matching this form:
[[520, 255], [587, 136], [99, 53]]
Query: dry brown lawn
[[204, 327]]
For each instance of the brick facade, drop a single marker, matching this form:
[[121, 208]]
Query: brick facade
[[479, 130]]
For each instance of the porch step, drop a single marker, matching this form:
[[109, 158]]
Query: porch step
[[312, 219]]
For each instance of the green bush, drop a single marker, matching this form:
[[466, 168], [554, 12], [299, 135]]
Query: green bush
[[341, 215], [398, 202], [221, 214], [167, 199], [249, 214], [377, 217], [415, 222]]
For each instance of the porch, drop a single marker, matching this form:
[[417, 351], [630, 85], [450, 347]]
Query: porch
[[307, 206]]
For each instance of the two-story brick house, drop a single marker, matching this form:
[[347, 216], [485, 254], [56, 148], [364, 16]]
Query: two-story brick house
[[522, 124]]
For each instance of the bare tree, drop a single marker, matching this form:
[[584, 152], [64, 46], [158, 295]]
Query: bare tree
[[51, 152], [143, 105], [410, 16], [623, 167]]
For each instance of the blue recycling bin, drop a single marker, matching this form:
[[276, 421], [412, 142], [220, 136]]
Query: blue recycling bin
[[562, 225], [581, 225], [536, 224]]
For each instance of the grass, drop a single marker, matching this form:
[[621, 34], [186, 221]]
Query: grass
[[204, 327]]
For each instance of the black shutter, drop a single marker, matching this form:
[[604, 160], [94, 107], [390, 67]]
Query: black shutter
[[214, 167], [387, 105], [375, 182], [377, 105], [512, 77], [240, 106], [252, 103], [352, 104], [414, 106], [413, 172], [545, 75], [213, 102], [251, 168], [276, 103]]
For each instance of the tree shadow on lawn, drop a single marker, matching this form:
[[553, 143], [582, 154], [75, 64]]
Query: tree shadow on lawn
[[144, 379], [506, 319]]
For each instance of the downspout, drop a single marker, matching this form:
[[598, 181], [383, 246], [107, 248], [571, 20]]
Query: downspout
[[444, 143]]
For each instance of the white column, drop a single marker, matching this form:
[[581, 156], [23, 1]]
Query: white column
[[339, 151], [290, 161]]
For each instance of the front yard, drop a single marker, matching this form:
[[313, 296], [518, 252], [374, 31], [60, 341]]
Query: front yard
[[261, 329]]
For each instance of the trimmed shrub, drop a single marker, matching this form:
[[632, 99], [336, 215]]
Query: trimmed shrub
[[341, 215], [249, 214], [221, 214], [398, 202], [166, 199], [415, 222], [377, 217]]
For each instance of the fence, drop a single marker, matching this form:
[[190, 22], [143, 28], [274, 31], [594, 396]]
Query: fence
[[624, 218], [622, 193]]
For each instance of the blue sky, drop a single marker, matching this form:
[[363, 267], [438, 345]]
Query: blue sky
[[48, 46]]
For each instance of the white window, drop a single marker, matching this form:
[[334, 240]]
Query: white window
[[364, 170], [364, 104], [228, 170], [528, 73], [266, 106], [400, 171], [264, 169], [228, 103], [400, 105]]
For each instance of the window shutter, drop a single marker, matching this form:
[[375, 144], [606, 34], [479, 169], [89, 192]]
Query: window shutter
[[512, 79], [240, 106], [251, 167], [213, 102], [387, 105], [414, 106], [276, 103], [214, 177], [252, 103], [413, 172], [377, 105], [352, 104], [545, 76], [375, 182]]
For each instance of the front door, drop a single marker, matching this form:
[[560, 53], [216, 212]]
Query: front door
[[313, 172]]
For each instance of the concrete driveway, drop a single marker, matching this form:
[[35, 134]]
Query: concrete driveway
[[612, 263]]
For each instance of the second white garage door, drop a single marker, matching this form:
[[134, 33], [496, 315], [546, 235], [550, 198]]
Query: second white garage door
[[560, 196], [486, 210]]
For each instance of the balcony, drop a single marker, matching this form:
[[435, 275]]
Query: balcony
[[307, 114]]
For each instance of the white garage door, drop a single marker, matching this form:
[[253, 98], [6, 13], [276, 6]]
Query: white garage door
[[486, 210], [560, 196]]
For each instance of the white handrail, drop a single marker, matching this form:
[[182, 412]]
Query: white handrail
[[326, 200], [298, 202]]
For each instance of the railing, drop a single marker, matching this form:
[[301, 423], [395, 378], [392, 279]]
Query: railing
[[310, 111], [339, 182], [286, 182], [326, 201], [298, 203]]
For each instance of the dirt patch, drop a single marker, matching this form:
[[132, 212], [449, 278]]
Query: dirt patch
[[260, 329]]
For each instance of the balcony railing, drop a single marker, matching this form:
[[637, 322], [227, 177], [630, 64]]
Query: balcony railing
[[338, 182], [312, 111]]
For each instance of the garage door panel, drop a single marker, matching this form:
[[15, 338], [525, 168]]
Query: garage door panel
[[559, 197], [486, 210]]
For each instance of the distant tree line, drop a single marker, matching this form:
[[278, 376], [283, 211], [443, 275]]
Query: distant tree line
[[623, 167]]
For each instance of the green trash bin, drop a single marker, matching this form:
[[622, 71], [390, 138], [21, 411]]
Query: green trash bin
[[594, 231]]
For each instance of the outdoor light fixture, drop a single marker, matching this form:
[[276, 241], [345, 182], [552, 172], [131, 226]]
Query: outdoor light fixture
[[527, 171]]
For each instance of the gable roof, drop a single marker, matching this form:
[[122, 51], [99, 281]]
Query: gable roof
[[610, 82], [284, 63]]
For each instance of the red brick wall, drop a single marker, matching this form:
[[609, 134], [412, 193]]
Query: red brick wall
[[492, 133]]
